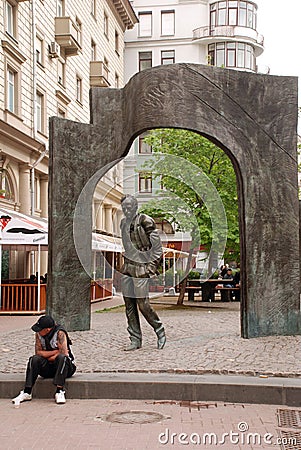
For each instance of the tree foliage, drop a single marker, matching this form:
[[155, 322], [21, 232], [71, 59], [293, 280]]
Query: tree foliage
[[213, 162]]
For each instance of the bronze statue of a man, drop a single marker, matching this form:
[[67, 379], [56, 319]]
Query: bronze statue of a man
[[142, 255]]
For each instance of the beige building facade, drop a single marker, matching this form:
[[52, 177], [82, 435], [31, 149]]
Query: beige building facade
[[51, 54]]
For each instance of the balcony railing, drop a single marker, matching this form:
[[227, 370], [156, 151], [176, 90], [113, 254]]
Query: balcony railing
[[68, 35], [228, 31], [99, 74]]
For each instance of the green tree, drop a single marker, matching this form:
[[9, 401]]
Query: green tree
[[213, 162]]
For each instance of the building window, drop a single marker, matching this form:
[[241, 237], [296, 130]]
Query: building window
[[78, 30], [145, 24], [11, 19], [60, 8], [106, 24], [117, 83], [39, 51], [93, 51], [144, 148], [167, 23], [164, 226], [93, 8], [220, 55], [230, 12], [61, 73], [167, 57], [145, 182], [11, 90], [145, 60], [6, 185], [106, 63], [221, 13], [40, 112], [232, 54], [61, 112], [117, 42], [79, 86]]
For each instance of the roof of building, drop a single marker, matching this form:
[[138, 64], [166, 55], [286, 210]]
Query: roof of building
[[126, 13]]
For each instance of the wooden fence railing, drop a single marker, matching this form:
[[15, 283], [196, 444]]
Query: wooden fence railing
[[23, 298], [101, 289]]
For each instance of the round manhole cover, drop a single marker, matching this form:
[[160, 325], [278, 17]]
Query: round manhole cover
[[135, 417]]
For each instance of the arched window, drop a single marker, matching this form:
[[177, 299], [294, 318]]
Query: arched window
[[6, 185]]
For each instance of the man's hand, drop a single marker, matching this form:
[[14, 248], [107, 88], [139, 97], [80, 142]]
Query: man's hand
[[52, 357], [48, 354]]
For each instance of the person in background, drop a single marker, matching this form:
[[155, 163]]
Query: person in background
[[227, 296]]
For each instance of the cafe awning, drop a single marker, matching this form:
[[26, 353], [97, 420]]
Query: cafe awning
[[19, 229], [102, 242]]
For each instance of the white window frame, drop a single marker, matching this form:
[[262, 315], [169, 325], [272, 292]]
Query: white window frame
[[168, 23], [145, 183], [60, 8], [11, 17], [79, 89], [93, 8], [40, 109], [61, 72], [117, 81], [11, 90], [40, 50], [93, 50], [106, 24], [145, 24], [78, 24], [117, 42]]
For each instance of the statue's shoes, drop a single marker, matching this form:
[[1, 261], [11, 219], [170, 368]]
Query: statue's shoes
[[132, 346], [161, 342]]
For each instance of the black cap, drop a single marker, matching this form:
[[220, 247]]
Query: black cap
[[43, 322]]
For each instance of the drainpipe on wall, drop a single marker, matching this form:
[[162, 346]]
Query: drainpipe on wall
[[34, 106], [35, 136]]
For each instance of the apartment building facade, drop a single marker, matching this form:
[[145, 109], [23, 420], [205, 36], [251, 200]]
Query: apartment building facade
[[51, 54], [218, 33]]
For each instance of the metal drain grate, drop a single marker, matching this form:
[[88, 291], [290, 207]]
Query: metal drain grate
[[135, 417], [289, 418], [290, 440]]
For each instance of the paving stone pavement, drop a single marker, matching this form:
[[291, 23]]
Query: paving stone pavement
[[201, 338], [87, 424]]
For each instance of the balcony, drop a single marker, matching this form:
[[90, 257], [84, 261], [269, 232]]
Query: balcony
[[205, 35], [99, 74], [68, 35]]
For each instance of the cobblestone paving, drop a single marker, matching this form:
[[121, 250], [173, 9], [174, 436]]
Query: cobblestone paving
[[203, 339]]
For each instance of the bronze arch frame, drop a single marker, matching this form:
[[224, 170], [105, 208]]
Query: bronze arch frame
[[252, 117]]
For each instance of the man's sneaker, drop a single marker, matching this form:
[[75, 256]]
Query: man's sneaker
[[22, 397], [60, 398]]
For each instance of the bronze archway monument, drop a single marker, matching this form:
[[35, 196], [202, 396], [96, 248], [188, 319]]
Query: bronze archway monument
[[253, 118]]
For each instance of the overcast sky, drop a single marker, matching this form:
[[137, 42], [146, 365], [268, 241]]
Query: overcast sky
[[279, 22]]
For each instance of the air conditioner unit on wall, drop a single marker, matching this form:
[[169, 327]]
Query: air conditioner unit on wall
[[54, 50]]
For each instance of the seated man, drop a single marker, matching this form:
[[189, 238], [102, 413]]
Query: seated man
[[53, 359], [227, 296]]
